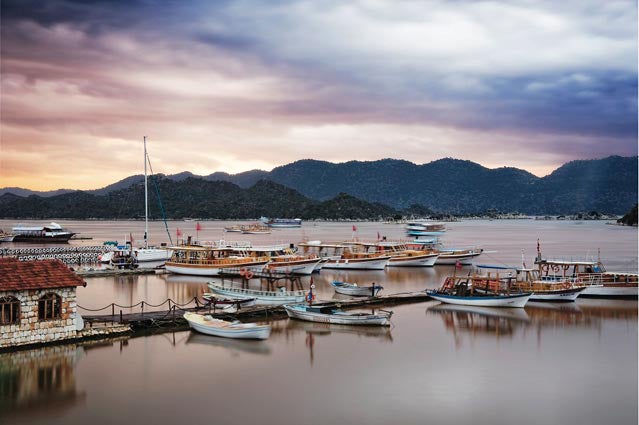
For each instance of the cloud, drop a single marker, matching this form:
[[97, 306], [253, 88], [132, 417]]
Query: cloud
[[237, 85]]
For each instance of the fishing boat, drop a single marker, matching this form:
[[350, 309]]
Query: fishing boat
[[353, 289], [279, 297], [592, 274], [330, 314], [462, 291], [210, 260], [48, 233], [344, 256], [208, 325]]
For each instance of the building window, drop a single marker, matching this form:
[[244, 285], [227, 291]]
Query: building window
[[49, 307], [9, 310]]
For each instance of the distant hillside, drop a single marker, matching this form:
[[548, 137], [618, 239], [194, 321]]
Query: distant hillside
[[447, 185], [192, 197]]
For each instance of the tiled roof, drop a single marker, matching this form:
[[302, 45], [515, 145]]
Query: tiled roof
[[22, 275]]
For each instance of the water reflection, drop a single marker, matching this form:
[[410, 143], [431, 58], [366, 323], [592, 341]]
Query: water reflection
[[505, 322], [235, 346], [39, 382]]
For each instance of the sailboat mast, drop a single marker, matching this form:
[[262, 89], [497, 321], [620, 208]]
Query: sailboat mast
[[146, 201]]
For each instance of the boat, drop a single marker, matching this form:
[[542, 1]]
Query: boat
[[208, 325], [592, 274], [528, 280], [48, 233], [353, 289], [345, 256], [149, 253], [401, 255], [463, 291], [223, 303], [330, 314], [234, 228], [283, 259], [6, 237], [255, 229], [447, 256], [279, 297], [210, 260], [282, 222]]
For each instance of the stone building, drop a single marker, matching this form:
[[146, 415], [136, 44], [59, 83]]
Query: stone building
[[37, 302]]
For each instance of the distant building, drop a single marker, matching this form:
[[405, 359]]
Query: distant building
[[37, 302]]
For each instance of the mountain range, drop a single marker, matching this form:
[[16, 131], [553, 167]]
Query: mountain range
[[447, 185]]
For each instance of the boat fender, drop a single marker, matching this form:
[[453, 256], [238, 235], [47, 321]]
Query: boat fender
[[555, 268], [248, 274], [243, 271]]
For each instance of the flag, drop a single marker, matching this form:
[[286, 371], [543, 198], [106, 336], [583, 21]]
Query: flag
[[458, 264], [198, 226], [354, 228], [178, 232]]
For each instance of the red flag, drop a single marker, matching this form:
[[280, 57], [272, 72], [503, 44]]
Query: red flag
[[354, 228], [198, 226], [458, 264], [178, 232]]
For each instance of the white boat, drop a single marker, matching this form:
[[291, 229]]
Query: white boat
[[558, 295], [52, 232], [447, 256], [400, 255], [283, 258], [500, 300], [210, 261], [329, 314], [353, 289], [282, 222], [208, 325], [6, 237], [226, 302], [282, 296]]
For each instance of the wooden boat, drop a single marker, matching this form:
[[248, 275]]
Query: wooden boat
[[344, 256], [330, 314], [210, 261], [283, 259], [6, 237], [463, 291], [401, 255], [354, 290], [592, 274], [208, 325], [282, 296], [228, 302], [255, 229], [447, 256]]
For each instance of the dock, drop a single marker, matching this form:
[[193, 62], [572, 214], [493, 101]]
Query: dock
[[117, 272], [172, 319]]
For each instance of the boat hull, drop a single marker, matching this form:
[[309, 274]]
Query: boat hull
[[43, 239], [303, 267], [559, 295], [261, 297], [152, 254], [338, 319], [514, 301], [610, 291], [465, 259], [208, 269], [427, 260], [356, 291], [378, 263]]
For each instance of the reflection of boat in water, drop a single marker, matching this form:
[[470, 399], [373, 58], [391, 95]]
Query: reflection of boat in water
[[381, 332], [252, 347]]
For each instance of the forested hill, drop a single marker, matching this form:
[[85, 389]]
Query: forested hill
[[192, 197]]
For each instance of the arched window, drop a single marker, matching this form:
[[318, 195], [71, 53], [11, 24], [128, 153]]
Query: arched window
[[49, 306], [9, 310]]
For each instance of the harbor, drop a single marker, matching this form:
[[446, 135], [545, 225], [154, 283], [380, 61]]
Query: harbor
[[134, 323]]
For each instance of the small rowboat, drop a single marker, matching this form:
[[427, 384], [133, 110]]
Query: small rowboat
[[482, 300], [227, 302], [329, 314], [206, 324], [356, 291]]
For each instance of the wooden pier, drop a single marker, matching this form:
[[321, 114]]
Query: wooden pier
[[117, 272], [172, 319]]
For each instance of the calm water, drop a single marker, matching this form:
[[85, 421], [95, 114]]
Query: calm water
[[545, 364]]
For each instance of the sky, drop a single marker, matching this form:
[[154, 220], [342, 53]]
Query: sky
[[239, 85]]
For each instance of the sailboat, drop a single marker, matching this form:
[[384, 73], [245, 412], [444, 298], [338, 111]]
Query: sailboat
[[147, 253]]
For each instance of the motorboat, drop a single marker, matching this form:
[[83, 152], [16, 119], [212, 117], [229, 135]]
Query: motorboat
[[209, 325], [279, 297], [48, 233], [479, 291], [333, 315]]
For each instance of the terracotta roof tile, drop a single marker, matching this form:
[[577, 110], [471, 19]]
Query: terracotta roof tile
[[23, 275]]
